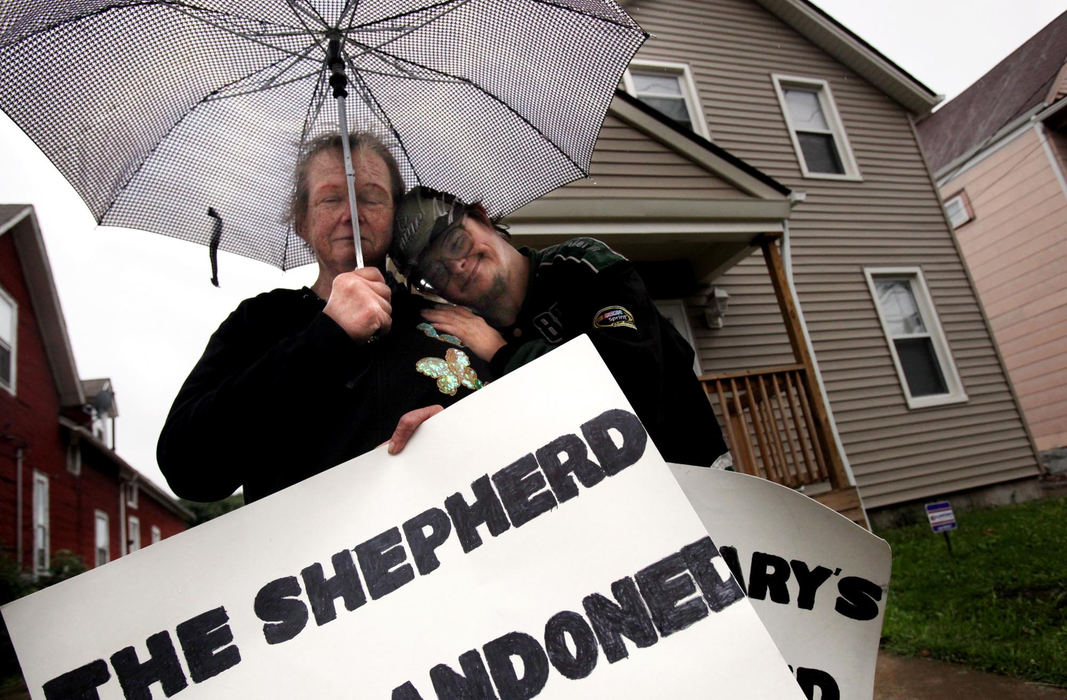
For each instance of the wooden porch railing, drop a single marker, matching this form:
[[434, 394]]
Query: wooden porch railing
[[771, 424]]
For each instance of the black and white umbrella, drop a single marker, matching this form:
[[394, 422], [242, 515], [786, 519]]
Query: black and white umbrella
[[175, 115]]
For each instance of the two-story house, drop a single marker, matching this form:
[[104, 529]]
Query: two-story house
[[763, 168], [999, 153], [62, 486]]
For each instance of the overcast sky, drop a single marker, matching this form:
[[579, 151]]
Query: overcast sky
[[139, 307]]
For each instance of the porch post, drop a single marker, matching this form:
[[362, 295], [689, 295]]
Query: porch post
[[838, 479]]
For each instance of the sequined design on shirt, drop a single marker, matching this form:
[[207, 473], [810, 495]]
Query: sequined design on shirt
[[432, 332], [451, 372]]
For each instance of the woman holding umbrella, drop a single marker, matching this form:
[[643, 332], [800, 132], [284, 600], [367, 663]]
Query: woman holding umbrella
[[297, 381]]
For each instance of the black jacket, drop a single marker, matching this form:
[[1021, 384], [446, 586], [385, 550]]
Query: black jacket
[[282, 393], [582, 286]]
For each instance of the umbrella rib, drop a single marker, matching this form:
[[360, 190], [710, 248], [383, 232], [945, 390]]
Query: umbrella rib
[[503, 103], [591, 15], [450, 5], [300, 12], [248, 37], [295, 61], [368, 97], [125, 6], [314, 107], [269, 85], [382, 54], [68, 20], [203, 100], [350, 5]]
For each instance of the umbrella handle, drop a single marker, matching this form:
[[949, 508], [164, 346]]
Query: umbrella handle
[[339, 81]]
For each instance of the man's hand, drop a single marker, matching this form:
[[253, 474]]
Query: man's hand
[[405, 428], [360, 303], [471, 329]]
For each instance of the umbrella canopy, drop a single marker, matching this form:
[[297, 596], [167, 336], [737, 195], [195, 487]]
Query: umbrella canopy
[[159, 112]]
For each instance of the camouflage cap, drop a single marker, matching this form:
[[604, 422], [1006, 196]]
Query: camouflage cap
[[422, 215]]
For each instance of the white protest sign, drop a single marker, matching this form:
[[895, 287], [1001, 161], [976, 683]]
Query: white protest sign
[[817, 580], [528, 541]]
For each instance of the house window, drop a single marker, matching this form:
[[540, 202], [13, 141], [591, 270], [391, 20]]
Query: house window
[[103, 538], [74, 458], [133, 532], [41, 560], [8, 337], [958, 208], [131, 494], [815, 128], [917, 344], [674, 311], [669, 89], [156, 534]]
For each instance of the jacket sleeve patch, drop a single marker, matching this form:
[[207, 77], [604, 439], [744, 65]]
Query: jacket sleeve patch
[[613, 317]]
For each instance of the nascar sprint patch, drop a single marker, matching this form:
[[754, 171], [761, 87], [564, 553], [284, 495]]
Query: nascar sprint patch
[[613, 317]]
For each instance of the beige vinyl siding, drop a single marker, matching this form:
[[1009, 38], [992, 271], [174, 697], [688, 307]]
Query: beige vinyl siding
[[891, 218], [628, 164], [1016, 247]]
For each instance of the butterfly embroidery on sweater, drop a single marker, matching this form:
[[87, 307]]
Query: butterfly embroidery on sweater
[[451, 372]]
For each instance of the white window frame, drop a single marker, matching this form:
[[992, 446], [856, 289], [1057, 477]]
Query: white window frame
[[157, 534], [685, 80], [829, 110], [964, 206], [132, 492], [133, 533], [6, 298], [955, 392], [101, 517], [41, 524], [674, 311]]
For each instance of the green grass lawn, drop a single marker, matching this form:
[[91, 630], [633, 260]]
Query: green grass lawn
[[998, 604]]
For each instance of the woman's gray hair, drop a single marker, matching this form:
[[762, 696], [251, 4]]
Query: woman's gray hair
[[357, 141]]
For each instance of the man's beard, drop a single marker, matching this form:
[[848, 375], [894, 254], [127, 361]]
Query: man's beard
[[494, 299]]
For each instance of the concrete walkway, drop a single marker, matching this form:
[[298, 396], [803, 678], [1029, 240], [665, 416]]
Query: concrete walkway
[[911, 678]]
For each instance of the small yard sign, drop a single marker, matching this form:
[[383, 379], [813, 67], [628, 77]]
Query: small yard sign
[[941, 516]]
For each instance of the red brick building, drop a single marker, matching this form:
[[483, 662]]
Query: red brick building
[[62, 486]]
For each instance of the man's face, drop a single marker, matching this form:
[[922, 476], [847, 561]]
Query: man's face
[[327, 226], [467, 265]]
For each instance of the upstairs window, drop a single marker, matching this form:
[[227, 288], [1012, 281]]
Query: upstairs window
[[669, 89], [134, 533], [8, 337], [917, 344], [103, 538], [41, 524], [815, 128]]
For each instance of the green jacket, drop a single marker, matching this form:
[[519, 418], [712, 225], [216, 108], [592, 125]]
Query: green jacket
[[582, 286]]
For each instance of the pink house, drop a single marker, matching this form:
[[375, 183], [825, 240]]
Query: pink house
[[999, 154]]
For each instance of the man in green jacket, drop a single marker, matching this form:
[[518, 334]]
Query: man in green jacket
[[513, 305]]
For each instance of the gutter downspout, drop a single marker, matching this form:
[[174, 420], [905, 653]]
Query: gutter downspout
[[787, 261]]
